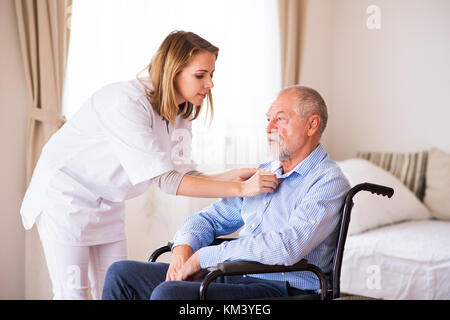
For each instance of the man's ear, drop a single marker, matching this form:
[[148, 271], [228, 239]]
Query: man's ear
[[313, 124]]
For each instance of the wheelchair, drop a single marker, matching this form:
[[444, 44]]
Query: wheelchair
[[249, 267]]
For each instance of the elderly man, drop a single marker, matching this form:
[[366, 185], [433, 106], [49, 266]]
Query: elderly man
[[297, 221]]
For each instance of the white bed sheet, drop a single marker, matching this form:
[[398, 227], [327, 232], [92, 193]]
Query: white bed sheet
[[407, 260]]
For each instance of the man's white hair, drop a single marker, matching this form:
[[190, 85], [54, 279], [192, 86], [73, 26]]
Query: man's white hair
[[308, 103]]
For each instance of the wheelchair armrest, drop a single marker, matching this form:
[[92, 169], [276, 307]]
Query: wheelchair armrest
[[250, 267]]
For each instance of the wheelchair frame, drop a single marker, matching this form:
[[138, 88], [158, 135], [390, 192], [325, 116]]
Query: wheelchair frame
[[250, 267]]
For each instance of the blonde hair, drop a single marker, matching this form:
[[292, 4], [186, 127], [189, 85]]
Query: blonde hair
[[172, 56]]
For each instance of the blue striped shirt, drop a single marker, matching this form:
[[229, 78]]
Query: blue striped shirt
[[299, 220]]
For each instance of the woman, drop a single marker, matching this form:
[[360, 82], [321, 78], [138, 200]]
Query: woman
[[126, 136]]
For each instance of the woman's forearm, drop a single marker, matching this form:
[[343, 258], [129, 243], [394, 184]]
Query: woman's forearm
[[228, 175], [205, 187], [260, 182]]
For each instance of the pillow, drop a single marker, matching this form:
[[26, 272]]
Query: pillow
[[371, 210], [437, 192], [409, 168]]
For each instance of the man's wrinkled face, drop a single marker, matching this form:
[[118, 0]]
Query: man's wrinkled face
[[286, 130]]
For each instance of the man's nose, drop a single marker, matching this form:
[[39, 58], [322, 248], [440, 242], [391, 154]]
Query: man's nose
[[271, 126]]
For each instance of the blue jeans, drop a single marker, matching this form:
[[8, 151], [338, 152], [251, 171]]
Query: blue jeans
[[134, 280]]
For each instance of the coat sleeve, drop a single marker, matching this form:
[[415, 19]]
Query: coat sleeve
[[170, 181]]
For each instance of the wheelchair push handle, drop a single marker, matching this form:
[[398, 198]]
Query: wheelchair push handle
[[373, 188]]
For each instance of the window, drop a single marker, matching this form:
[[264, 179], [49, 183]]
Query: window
[[112, 40]]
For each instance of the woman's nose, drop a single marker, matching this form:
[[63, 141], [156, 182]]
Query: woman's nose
[[210, 84]]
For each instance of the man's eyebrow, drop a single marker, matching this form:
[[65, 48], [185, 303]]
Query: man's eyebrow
[[267, 115]]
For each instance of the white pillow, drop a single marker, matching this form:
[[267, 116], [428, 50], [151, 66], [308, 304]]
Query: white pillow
[[371, 210], [437, 191]]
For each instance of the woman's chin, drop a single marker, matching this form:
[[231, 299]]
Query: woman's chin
[[196, 102]]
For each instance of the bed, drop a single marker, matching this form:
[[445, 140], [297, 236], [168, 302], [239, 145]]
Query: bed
[[399, 249], [409, 260]]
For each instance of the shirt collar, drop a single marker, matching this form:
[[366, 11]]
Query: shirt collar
[[316, 156]]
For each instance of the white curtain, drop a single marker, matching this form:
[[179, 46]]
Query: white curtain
[[112, 40]]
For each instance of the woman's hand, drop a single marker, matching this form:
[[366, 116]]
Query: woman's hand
[[243, 174], [237, 175], [261, 182], [180, 255]]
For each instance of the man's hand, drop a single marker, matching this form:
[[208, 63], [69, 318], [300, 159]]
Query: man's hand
[[180, 254], [191, 270]]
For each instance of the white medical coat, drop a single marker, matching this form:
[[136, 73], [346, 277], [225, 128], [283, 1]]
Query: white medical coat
[[105, 154]]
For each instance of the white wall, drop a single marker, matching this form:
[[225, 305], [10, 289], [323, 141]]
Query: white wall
[[316, 51], [386, 89], [13, 103], [394, 81]]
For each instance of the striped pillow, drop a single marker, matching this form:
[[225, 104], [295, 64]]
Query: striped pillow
[[409, 168]]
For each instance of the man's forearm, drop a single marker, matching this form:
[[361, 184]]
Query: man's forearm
[[221, 218]]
